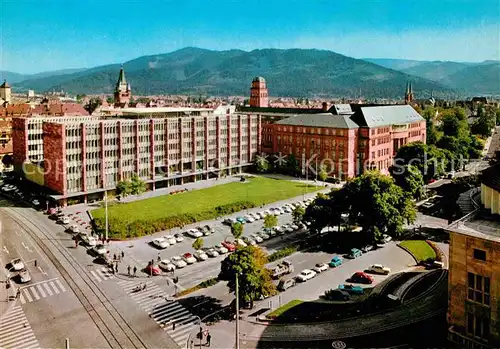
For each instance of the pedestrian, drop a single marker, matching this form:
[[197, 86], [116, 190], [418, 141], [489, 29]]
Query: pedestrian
[[123, 254], [153, 261], [128, 270], [135, 270], [173, 326], [107, 241], [192, 344], [159, 258], [114, 256], [116, 267], [209, 338]]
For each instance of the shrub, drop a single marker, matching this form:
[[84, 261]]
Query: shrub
[[203, 284], [284, 252], [120, 230]]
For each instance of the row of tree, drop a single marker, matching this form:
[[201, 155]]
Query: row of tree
[[134, 186]]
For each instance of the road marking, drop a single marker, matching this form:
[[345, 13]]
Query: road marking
[[95, 276], [5, 249], [40, 282], [41, 270], [15, 330], [26, 247], [60, 285], [21, 297], [42, 292], [34, 293], [56, 290], [47, 288], [28, 296], [17, 233]]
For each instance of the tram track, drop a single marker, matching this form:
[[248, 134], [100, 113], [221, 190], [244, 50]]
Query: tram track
[[114, 328]]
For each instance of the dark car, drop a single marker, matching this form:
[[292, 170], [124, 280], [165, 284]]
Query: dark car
[[337, 295]]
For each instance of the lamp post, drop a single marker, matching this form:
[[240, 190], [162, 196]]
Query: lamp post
[[237, 314]]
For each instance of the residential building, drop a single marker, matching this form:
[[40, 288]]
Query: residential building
[[474, 271], [82, 157]]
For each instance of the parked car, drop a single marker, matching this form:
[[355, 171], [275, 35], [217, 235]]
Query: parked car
[[207, 230], [221, 249], [170, 239], [240, 243], [354, 253], [88, 239], [295, 227], [64, 220], [281, 269], [257, 238], [335, 261], [241, 220], [263, 235], [352, 289], [188, 258], [386, 238], [249, 241], [229, 221], [24, 276], [151, 269], [362, 278], [178, 262], [367, 248], [35, 202], [379, 269], [337, 295], [211, 252], [74, 229], [160, 243], [262, 214], [200, 255], [230, 246], [179, 237], [285, 284], [166, 265], [17, 264], [320, 267], [99, 250], [194, 233], [305, 275]]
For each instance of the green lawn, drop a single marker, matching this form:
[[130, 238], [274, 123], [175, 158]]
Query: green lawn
[[420, 249], [258, 190], [278, 312]]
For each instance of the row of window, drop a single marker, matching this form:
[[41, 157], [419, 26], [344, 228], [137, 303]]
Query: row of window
[[312, 130]]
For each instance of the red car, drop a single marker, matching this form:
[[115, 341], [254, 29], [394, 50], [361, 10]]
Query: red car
[[152, 270], [362, 278], [230, 246]]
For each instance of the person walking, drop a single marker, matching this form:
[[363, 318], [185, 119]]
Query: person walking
[[209, 338], [135, 270], [123, 254], [114, 256], [128, 270], [116, 267], [159, 258], [173, 326]]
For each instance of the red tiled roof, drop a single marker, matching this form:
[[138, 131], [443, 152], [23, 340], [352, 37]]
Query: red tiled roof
[[15, 109]]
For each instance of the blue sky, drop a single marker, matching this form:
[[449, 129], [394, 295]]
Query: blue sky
[[41, 35]]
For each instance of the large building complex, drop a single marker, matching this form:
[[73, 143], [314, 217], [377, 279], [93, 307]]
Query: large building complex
[[474, 276], [80, 158]]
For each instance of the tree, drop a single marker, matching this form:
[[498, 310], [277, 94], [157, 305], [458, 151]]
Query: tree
[[298, 214], [322, 175], [326, 210], [79, 97], [270, 221], [8, 160], [92, 105], [137, 185], [410, 179], [198, 243], [110, 100], [237, 230], [254, 279], [123, 188], [261, 164], [292, 165], [483, 125]]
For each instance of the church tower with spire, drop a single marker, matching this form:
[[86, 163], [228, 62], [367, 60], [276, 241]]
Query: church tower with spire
[[408, 93], [123, 92]]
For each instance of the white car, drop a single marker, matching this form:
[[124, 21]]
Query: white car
[[24, 276], [178, 262], [220, 249], [279, 229], [240, 242], [305, 275], [200, 255], [99, 250], [64, 220], [17, 264], [379, 269], [194, 233], [211, 252], [166, 265], [295, 227], [320, 267], [88, 240], [160, 243], [262, 214], [287, 210], [188, 258], [179, 238], [35, 202], [249, 219], [386, 238], [264, 236], [170, 239], [250, 241], [74, 228], [256, 238]]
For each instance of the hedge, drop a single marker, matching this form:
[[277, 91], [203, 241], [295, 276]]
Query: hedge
[[119, 229], [437, 250], [203, 284], [285, 252]]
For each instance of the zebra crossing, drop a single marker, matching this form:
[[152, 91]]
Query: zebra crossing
[[41, 290], [102, 274], [168, 314], [15, 330]]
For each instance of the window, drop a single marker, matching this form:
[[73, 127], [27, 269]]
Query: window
[[479, 254], [478, 288], [478, 326]]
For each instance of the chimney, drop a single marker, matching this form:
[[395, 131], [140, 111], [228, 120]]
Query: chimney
[[325, 106]]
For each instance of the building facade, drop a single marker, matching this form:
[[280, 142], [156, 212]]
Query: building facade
[[84, 157], [123, 91], [346, 144], [258, 93], [5, 93]]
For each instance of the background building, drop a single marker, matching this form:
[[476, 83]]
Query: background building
[[123, 92], [5, 93], [258, 93]]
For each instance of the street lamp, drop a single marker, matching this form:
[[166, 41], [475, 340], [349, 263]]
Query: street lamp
[[237, 313], [200, 333]]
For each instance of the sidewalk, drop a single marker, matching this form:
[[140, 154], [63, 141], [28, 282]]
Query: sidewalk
[[7, 296]]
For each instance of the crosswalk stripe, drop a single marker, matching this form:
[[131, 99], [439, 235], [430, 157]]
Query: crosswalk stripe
[[15, 330], [56, 290], [27, 294], [19, 327], [34, 293], [60, 285], [21, 297], [21, 338], [95, 276], [11, 327], [40, 289], [47, 288]]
